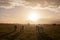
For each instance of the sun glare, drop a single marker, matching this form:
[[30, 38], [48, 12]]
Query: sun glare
[[33, 16]]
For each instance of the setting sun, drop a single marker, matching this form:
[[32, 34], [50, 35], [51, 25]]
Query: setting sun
[[33, 16]]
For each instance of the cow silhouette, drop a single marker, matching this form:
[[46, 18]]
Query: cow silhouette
[[15, 28], [41, 35]]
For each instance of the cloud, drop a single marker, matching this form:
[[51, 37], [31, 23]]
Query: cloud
[[10, 3], [30, 3], [5, 3], [45, 3]]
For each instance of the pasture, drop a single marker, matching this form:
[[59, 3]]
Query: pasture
[[29, 32]]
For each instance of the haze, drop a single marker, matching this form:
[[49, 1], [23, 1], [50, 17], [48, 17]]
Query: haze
[[17, 11]]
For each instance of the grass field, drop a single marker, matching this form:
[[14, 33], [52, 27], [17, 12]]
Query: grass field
[[29, 32]]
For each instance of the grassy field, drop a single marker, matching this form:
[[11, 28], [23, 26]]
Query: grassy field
[[29, 32]]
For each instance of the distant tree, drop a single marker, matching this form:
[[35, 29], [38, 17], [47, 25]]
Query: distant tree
[[54, 24]]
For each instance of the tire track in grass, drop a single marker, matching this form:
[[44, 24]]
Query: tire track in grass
[[13, 37]]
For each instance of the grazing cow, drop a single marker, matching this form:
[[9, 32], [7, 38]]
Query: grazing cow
[[22, 29], [15, 28], [39, 29], [41, 34]]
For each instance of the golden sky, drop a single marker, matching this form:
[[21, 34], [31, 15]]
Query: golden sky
[[18, 11]]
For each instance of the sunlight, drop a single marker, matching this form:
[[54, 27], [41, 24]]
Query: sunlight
[[33, 16]]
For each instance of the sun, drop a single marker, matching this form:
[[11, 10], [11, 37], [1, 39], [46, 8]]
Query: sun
[[33, 16]]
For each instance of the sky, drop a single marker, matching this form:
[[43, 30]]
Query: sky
[[16, 11]]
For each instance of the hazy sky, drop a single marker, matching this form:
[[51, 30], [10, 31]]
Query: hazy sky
[[16, 11]]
